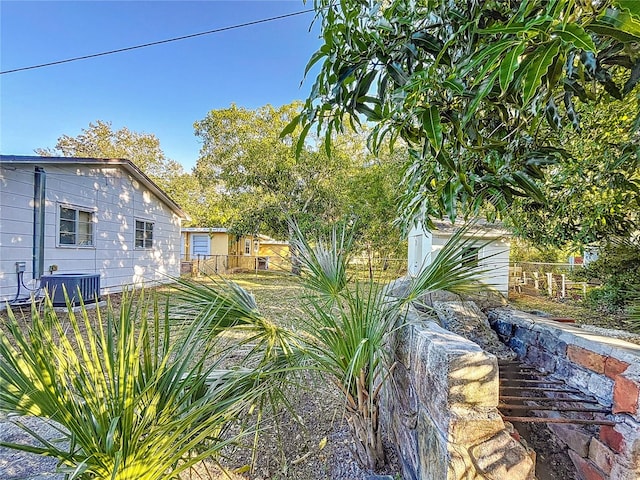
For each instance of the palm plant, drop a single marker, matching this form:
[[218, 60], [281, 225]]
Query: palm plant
[[223, 307], [347, 329], [134, 400]]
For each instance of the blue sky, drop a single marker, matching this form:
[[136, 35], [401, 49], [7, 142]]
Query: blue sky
[[161, 89]]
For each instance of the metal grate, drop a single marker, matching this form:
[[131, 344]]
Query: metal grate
[[523, 389]]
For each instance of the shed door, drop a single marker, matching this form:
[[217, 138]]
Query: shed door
[[200, 245]]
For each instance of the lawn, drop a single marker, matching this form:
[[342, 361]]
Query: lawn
[[575, 309], [311, 440]]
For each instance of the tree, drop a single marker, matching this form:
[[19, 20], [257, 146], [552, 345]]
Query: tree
[[259, 176], [262, 184], [593, 194], [99, 140], [468, 85], [346, 329], [618, 269], [257, 173], [372, 194]]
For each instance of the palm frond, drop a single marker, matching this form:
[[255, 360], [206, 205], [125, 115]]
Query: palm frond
[[324, 262], [133, 404], [224, 306]]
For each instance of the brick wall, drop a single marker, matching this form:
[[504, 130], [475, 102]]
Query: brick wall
[[441, 409], [606, 368]]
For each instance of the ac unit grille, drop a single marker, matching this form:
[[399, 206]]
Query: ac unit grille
[[87, 284]]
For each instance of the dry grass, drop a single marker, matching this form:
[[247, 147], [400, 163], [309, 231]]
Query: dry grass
[[566, 308]]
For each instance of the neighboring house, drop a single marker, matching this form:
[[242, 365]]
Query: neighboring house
[[215, 250], [66, 215], [202, 242], [276, 251], [489, 250]]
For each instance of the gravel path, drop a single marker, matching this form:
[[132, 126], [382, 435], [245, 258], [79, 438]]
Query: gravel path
[[16, 465]]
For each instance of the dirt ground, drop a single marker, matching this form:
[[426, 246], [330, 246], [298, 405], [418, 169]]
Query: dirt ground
[[567, 308]]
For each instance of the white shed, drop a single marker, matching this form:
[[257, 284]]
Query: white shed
[[64, 215], [490, 247]]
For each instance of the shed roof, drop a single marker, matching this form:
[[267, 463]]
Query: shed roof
[[204, 230], [125, 164], [480, 228], [265, 240]]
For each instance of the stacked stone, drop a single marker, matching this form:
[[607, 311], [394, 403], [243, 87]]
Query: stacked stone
[[441, 405]]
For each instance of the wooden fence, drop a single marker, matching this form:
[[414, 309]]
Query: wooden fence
[[551, 279]]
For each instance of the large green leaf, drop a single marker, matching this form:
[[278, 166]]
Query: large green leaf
[[528, 186], [487, 55], [433, 127], [510, 65], [622, 25], [613, 32], [518, 27], [630, 6], [576, 35], [291, 126], [481, 93], [314, 59], [544, 57]]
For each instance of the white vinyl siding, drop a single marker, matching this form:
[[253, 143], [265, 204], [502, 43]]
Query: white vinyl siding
[[115, 198]]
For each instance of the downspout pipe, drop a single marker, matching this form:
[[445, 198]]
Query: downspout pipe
[[39, 203]]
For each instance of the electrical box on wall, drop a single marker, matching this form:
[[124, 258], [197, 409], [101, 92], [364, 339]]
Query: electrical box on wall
[[21, 267]]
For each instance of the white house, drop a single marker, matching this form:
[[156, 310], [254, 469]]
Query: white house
[[63, 215], [489, 248]]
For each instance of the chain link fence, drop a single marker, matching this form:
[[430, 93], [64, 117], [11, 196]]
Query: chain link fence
[[376, 268]]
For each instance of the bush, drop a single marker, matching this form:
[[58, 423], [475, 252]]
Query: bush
[[618, 269]]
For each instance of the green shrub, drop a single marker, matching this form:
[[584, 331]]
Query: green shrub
[[135, 399], [618, 270]]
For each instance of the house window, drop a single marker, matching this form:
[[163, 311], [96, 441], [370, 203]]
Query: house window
[[247, 246], [144, 234], [256, 246], [200, 244], [470, 256], [75, 227]]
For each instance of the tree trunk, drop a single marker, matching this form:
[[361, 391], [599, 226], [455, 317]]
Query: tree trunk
[[296, 266], [365, 430]]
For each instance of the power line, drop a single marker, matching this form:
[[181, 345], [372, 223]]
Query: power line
[[160, 42]]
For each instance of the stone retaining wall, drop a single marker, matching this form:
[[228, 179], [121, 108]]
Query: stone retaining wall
[[606, 368], [441, 409]]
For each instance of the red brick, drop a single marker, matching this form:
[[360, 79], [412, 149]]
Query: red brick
[[612, 438], [613, 367], [625, 395], [586, 358], [586, 470], [601, 456]]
